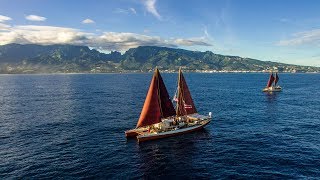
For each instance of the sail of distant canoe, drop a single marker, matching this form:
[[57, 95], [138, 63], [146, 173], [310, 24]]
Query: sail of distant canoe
[[157, 104], [184, 100], [276, 79], [271, 79]]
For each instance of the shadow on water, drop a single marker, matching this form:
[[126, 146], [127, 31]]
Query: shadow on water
[[170, 157]]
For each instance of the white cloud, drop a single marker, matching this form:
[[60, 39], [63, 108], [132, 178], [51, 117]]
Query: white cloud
[[192, 42], [125, 11], [146, 30], [284, 20], [109, 41], [4, 18], [302, 38], [87, 21], [123, 41], [133, 10], [35, 18], [4, 27], [119, 10], [205, 31], [151, 7], [42, 35]]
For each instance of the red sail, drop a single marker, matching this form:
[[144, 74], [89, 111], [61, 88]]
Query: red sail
[[276, 79], [157, 103], [185, 103], [271, 79], [166, 105]]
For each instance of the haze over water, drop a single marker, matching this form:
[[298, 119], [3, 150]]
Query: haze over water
[[63, 126]]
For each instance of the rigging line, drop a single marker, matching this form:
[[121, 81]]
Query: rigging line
[[178, 97], [175, 97]]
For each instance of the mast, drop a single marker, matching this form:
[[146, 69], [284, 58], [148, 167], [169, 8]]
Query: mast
[[157, 104], [276, 79], [270, 81], [185, 103]]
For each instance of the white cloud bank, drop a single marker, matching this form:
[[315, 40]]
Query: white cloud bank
[[302, 38], [88, 21], [120, 41], [35, 18], [4, 18], [150, 5], [4, 27]]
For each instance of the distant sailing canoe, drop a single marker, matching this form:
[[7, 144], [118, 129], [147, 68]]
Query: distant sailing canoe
[[272, 84], [159, 119]]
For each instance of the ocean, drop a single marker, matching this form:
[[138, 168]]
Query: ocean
[[72, 126]]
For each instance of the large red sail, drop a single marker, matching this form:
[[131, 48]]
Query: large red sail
[[276, 79], [166, 105], [271, 79], [157, 103], [185, 103]]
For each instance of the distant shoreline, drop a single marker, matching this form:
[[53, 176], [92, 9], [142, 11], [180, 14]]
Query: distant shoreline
[[152, 72]]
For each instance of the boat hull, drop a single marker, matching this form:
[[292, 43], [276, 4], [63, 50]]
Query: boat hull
[[135, 132], [272, 89], [148, 137]]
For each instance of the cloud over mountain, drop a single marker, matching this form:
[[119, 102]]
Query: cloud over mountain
[[121, 41]]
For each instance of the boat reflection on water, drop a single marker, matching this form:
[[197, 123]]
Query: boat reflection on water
[[271, 96], [171, 156], [272, 105]]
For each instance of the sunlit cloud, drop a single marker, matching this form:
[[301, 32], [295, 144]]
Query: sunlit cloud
[[87, 21], [35, 18], [150, 5], [302, 38], [42, 35], [123, 41], [4, 18], [109, 41]]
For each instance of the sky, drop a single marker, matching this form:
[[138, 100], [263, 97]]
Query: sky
[[285, 31]]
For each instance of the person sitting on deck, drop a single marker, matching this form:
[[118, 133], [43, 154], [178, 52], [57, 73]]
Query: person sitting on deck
[[175, 122]]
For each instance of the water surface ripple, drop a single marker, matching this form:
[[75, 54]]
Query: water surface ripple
[[64, 126]]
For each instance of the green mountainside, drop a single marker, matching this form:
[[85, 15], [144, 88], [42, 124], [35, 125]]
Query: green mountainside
[[31, 58]]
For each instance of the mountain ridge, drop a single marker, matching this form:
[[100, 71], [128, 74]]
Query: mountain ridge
[[33, 58]]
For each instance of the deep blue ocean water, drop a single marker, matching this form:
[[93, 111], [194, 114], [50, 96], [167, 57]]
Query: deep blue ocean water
[[72, 126]]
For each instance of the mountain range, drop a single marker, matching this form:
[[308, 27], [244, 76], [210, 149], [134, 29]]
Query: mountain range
[[32, 58]]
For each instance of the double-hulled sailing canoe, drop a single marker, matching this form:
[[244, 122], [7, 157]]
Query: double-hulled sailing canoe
[[272, 84], [159, 119]]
